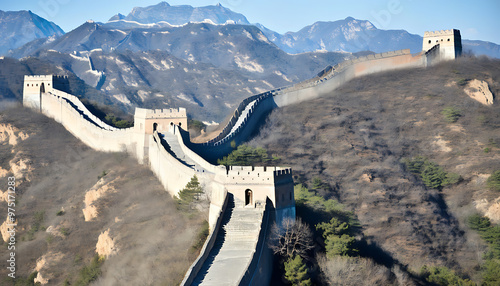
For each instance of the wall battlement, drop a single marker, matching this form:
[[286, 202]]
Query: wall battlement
[[450, 42], [255, 175], [149, 120], [450, 32], [165, 113]]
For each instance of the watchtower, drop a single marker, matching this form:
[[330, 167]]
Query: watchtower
[[35, 85], [449, 41], [254, 186], [148, 120]]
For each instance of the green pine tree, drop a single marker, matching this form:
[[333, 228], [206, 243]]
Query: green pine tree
[[296, 272], [493, 181], [340, 245], [189, 194], [433, 176]]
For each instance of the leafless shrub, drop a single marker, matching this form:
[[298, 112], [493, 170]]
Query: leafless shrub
[[292, 237], [344, 270]]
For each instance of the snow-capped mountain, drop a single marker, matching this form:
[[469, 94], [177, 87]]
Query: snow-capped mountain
[[20, 27], [182, 14], [348, 35], [352, 35], [205, 67], [201, 58]]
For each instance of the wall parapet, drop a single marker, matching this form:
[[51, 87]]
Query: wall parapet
[[161, 113], [440, 33], [259, 256], [205, 250]]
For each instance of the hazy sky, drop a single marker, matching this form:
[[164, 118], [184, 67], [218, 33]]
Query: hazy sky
[[477, 20]]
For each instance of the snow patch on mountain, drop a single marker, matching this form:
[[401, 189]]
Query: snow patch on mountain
[[244, 62]]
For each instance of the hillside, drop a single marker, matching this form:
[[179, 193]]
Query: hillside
[[172, 67], [72, 202], [355, 139], [20, 27]]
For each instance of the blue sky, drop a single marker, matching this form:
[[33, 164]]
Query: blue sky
[[477, 20]]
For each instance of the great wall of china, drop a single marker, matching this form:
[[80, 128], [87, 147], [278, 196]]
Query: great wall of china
[[244, 201]]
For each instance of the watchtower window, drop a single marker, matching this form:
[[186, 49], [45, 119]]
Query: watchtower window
[[429, 41], [448, 40], [248, 197]]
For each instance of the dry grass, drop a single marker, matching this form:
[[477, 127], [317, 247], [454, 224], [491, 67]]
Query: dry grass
[[364, 130], [144, 223]]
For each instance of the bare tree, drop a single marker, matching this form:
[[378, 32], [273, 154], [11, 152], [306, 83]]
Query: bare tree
[[292, 237]]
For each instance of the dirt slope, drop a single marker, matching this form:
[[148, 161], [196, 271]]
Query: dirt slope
[[130, 218], [356, 137]]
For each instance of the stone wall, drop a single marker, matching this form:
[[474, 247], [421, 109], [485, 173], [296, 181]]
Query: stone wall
[[260, 268], [207, 246], [238, 130], [449, 40], [145, 119]]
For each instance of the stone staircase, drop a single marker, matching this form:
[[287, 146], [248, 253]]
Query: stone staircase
[[176, 149], [233, 248]]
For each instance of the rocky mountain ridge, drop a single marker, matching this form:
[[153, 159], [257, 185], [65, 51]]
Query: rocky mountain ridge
[[20, 27]]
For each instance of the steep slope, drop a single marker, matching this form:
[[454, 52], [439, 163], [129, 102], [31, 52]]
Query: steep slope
[[353, 35], [348, 35], [20, 27], [356, 137], [73, 202], [204, 67], [12, 75], [481, 48]]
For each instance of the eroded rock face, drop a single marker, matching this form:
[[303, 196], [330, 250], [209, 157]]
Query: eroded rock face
[[21, 167], [100, 189], [480, 91], [8, 134], [494, 211], [105, 245], [4, 229], [45, 264]]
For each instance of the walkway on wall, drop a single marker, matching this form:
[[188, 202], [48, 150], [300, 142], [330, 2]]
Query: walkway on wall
[[241, 118], [176, 149], [233, 248]]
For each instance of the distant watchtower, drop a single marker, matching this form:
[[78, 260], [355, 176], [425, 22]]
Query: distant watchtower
[[35, 85], [449, 41], [148, 120]]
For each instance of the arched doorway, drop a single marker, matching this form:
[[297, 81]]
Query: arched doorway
[[42, 88], [248, 197], [155, 126]]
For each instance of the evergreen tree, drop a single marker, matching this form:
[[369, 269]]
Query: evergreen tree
[[246, 155], [296, 271], [190, 193], [340, 245], [493, 181], [433, 176]]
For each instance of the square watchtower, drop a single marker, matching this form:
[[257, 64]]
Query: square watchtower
[[449, 41]]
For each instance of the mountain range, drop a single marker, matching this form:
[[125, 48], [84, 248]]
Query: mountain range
[[206, 58], [20, 27]]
